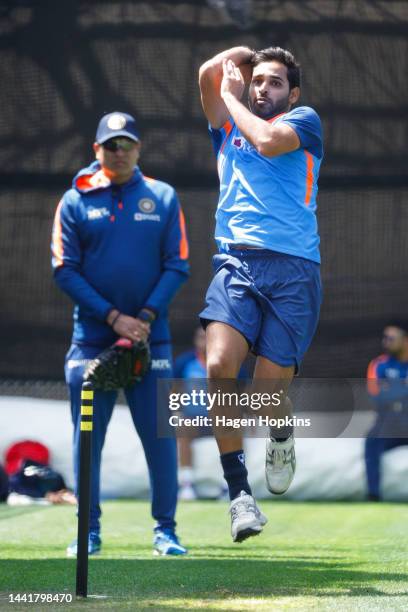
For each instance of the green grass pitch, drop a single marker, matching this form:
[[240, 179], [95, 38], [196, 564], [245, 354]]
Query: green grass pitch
[[311, 556]]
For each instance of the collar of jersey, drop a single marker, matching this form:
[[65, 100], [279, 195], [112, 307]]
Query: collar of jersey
[[93, 178]]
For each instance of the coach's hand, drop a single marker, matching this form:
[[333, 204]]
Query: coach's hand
[[232, 80], [129, 327]]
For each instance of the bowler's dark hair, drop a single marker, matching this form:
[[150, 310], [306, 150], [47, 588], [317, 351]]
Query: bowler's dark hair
[[284, 57]]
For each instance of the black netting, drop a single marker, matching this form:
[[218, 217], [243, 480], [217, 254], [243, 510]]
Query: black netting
[[63, 64]]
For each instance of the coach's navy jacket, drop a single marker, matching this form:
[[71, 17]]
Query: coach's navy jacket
[[121, 247]]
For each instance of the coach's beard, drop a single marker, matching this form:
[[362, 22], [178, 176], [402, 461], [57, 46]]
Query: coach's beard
[[270, 109]]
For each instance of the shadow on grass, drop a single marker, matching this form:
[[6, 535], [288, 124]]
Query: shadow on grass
[[200, 578]]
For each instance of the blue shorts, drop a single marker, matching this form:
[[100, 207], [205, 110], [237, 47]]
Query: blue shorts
[[271, 298]]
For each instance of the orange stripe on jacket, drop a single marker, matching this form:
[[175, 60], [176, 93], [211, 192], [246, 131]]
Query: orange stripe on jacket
[[101, 178], [373, 385], [57, 244], [183, 239], [309, 177]]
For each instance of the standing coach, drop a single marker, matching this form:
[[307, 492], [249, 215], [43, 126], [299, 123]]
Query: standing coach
[[119, 250]]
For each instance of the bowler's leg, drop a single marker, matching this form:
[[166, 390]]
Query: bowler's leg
[[280, 462], [226, 351]]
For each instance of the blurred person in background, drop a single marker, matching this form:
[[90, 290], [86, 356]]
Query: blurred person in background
[[190, 365], [387, 385], [119, 251]]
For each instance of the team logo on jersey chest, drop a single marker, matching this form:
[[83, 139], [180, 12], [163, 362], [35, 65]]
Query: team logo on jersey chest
[[146, 205], [240, 143], [392, 373]]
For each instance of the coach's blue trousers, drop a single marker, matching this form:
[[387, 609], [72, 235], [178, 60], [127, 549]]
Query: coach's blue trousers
[[160, 453]]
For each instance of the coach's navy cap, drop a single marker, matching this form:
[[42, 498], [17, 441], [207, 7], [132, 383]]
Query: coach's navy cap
[[116, 124]]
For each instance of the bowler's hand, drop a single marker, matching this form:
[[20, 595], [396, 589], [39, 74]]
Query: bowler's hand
[[131, 328], [232, 81]]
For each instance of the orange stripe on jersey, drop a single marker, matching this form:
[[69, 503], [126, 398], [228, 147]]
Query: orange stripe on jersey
[[273, 119], [309, 177], [57, 245], [373, 386], [227, 127], [149, 179], [183, 239]]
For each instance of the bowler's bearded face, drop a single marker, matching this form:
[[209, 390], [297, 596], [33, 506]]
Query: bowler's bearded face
[[269, 92]]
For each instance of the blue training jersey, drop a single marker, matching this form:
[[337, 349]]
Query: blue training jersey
[[270, 202], [387, 384], [121, 247], [387, 379]]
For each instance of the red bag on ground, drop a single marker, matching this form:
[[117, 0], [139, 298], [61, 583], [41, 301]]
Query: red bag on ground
[[19, 452]]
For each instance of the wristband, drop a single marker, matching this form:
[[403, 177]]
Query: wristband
[[115, 319], [146, 315]]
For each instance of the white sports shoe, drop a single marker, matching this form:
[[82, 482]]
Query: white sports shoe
[[246, 518], [280, 464]]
